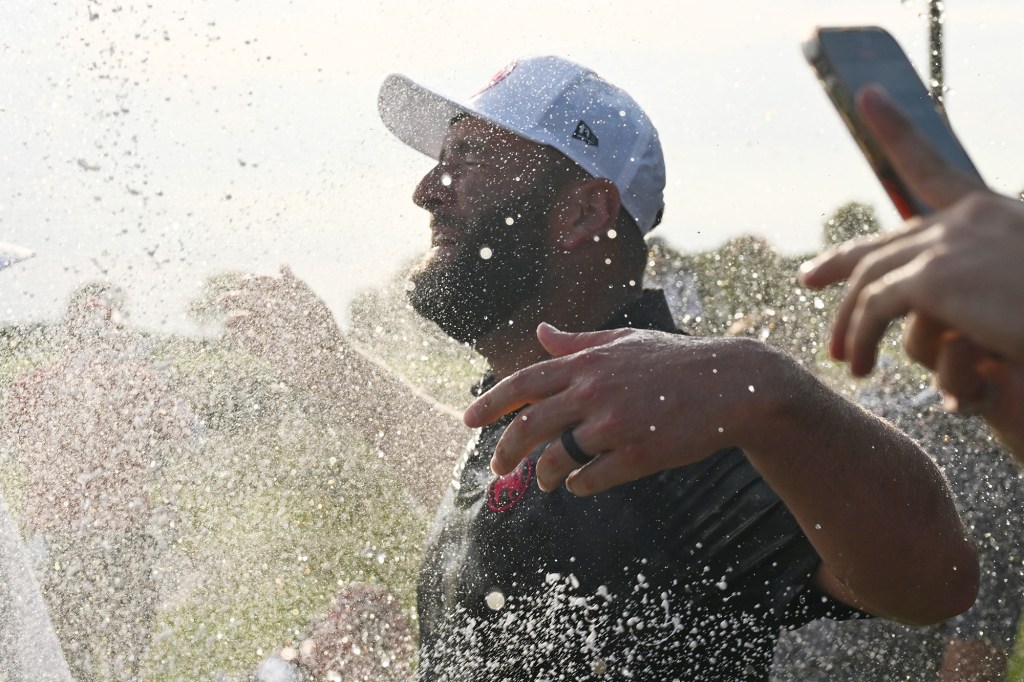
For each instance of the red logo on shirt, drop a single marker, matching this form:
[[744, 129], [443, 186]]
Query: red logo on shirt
[[507, 491]]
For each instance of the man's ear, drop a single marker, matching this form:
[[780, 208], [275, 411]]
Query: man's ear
[[585, 209]]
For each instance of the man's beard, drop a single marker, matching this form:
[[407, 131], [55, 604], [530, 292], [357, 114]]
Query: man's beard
[[471, 295]]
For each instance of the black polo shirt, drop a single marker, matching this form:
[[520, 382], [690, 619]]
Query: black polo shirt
[[685, 575]]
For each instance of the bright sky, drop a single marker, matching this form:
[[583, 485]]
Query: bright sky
[[154, 146]]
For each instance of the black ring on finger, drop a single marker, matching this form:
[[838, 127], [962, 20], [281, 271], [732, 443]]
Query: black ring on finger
[[573, 448]]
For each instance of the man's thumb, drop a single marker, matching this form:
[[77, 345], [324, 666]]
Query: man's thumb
[[559, 343]]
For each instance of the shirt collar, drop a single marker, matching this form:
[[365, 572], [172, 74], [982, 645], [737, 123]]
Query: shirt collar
[[648, 311]]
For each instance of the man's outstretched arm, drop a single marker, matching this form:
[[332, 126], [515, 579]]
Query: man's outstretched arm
[[875, 507], [282, 321]]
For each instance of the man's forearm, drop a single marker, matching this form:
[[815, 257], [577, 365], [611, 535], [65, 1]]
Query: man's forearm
[[874, 506], [417, 436]]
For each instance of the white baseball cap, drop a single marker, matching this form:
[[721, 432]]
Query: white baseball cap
[[11, 254], [554, 102]]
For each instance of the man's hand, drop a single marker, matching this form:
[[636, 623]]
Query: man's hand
[[282, 321], [960, 269], [640, 401], [643, 401], [956, 274]]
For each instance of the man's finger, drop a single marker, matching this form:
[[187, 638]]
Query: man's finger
[[559, 343], [839, 263], [874, 266], [292, 282], [246, 301], [554, 465], [919, 164], [923, 336], [234, 299], [241, 327], [876, 307], [533, 426], [258, 286], [607, 471], [956, 371], [236, 317], [527, 386]]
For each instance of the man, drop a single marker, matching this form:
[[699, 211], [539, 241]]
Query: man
[[89, 431], [955, 274], [546, 183], [29, 649]]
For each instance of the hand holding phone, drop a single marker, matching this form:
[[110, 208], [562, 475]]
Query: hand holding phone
[[849, 59]]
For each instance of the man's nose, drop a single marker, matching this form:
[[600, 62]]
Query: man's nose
[[433, 191]]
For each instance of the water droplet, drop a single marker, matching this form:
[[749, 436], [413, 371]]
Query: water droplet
[[817, 526], [495, 600], [652, 427], [446, 180], [509, 220], [750, 388], [612, 234], [486, 253]]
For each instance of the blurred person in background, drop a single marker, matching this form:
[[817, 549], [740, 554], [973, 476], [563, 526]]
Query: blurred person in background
[[29, 650], [89, 431]]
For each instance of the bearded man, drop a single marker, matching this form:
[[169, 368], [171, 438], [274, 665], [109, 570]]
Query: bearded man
[[545, 184]]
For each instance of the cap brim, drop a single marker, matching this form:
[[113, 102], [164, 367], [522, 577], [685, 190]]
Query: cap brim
[[416, 115], [11, 254]]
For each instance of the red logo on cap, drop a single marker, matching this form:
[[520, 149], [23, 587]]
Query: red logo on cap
[[496, 78], [507, 491]]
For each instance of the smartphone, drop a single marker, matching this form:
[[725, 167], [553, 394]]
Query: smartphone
[[848, 58]]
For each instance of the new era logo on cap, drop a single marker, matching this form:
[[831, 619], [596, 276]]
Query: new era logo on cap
[[584, 133]]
